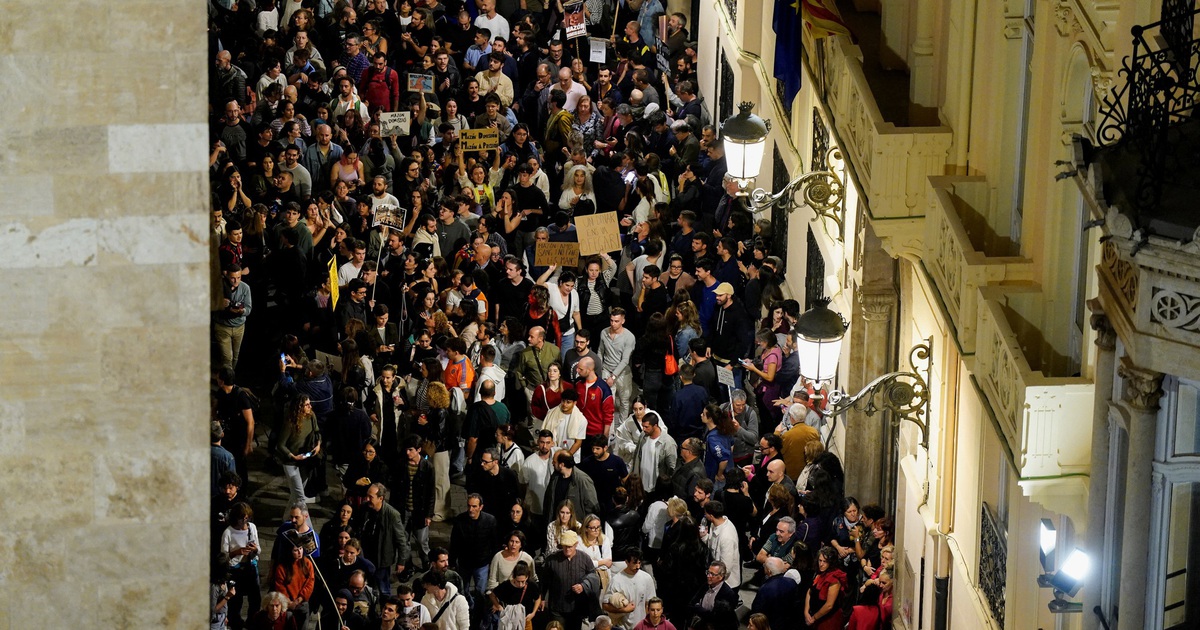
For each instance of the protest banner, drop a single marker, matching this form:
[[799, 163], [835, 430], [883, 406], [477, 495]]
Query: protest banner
[[598, 233], [484, 139], [573, 19], [597, 50], [565, 254], [420, 83], [394, 123], [394, 217]]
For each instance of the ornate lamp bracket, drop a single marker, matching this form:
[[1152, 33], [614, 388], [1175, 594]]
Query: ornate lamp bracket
[[822, 191], [905, 394]]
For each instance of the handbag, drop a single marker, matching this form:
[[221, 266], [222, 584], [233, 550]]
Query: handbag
[[669, 361]]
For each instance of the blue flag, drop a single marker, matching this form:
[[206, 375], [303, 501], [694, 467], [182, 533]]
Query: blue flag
[[788, 44]]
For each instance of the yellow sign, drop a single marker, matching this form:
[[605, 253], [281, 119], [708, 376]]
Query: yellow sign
[[479, 139], [561, 254], [598, 233]]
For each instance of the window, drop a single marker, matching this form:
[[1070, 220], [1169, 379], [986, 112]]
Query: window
[[1181, 575]]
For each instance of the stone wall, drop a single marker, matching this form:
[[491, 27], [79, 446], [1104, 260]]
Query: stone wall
[[104, 314]]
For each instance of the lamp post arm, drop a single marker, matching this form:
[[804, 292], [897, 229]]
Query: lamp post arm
[[905, 394], [822, 191]]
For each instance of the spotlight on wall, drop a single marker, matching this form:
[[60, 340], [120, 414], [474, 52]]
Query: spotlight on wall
[[1047, 539], [1067, 581]]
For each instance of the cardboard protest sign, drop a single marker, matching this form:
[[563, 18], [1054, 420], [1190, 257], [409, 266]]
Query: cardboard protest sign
[[391, 216], [598, 233], [420, 83], [394, 123], [479, 139], [573, 19], [564, 254]]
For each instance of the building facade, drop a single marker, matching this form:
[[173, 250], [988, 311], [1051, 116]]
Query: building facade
[[980, 216]]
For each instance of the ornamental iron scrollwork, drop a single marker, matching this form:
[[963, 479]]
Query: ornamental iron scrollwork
[[904, 394], [822, 191], [993, 563], [1158, 92]]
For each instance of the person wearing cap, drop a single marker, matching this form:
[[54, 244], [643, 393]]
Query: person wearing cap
[[731, 332], [687, 150], [563, 582]]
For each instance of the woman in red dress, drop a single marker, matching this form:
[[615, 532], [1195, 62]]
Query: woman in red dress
[[821, 608], [878, 615]]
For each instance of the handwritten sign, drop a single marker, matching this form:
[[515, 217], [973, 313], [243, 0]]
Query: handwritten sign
[[562, 254], [573, 19], [390, 216], [597, 49], [480, 139], [725, 377], [394, 123], [420, 83], [598, 233]]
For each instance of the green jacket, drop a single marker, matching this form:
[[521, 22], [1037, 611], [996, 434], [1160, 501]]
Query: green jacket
[[532, 366]]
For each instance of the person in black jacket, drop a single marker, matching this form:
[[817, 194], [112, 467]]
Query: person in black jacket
[[731, 333], [473, 542], [413, 481]]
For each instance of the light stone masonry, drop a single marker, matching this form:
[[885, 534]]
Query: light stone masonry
[[104, 314]]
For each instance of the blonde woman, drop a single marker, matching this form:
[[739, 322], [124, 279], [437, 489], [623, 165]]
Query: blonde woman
[[595, 540]]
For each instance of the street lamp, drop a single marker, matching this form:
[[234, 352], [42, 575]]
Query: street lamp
[[819, 334], [745, 139]]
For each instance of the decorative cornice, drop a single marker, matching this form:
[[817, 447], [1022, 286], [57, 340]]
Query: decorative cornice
[[1065, 20]]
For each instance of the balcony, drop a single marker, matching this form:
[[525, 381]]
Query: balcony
[[1045, 417], [962, 254], [890, 162]]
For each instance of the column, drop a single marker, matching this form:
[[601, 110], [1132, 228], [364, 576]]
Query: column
[[1142, 388], [922, 71], [1106, 341], [870, 473]]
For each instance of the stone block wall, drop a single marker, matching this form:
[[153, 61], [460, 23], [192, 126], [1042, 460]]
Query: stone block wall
[[103, 314]]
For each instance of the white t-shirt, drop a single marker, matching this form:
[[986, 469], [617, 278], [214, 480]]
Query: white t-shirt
[[535, 473], [347, 272], [560, 306], [497, 25], [638, 589]]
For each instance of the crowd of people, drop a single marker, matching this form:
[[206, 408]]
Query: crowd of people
[[614, 476]]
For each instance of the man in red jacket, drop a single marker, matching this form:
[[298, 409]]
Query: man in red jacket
[[595, 398], [380, 85]]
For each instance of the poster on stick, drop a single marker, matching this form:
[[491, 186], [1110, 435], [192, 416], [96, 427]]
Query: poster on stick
[[390, 216], [394, 123], [573, 19], [479, 139], [597, 49], [420, 83], [563, 254], [598, 233]]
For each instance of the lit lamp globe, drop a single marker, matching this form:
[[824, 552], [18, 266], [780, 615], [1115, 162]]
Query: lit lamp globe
[[819, 333], [745, 139]]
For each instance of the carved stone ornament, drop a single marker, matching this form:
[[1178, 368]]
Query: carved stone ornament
[[1143, 388], [1102, 83], [1117, 223], [1065, 20], [876, 307], [1106, 336]]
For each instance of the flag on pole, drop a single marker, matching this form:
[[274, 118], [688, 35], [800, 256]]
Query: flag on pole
[[823, 19], [333, 283], [788, 62]]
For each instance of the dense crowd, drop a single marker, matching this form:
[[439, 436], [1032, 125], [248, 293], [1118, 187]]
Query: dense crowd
[[614, 477]]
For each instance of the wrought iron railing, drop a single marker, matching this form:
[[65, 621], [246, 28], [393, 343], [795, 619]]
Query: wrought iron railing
[[1159, 92], [993, 563], [814, 272], [779, 212], [820, 136], [725, 107]]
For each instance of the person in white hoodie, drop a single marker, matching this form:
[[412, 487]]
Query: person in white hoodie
[[447, 607], [567, 423]]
